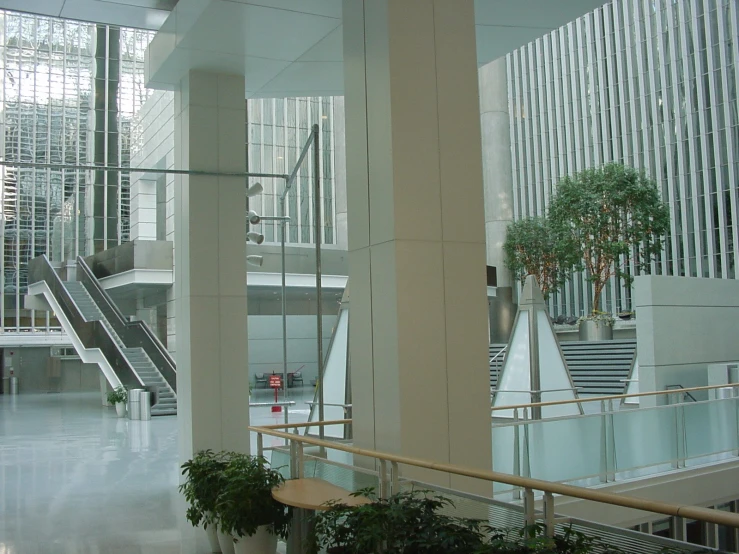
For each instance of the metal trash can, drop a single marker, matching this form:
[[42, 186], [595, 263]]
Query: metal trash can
[[145, 405], [13, 385], [724, 393], [134, 403]]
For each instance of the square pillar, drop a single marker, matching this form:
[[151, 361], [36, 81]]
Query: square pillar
[[210, 265], [419, 324]]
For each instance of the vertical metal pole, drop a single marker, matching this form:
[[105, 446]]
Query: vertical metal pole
[[516, 452], [528, 507], [284, 305], [319, 300], [260, 445], [549, 513], [535, 374], [603, 473]]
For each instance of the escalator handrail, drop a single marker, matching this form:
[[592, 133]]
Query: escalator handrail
[[92, 334], [132, 333]]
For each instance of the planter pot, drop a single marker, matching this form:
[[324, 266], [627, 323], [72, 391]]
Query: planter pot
[[215, 547], [120, 408], [226, 542], [261, 542], [595, 330]]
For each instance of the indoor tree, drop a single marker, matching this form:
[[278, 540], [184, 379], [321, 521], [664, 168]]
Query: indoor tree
[[610, 215], [533, 248]]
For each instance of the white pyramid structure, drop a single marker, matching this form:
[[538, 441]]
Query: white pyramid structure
[[632, 383], [525, 377], [336, 380]]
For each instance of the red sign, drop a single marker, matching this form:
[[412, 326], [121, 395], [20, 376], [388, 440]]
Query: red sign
[[275, 381]]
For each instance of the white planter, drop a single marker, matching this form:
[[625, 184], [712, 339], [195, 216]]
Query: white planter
[[215, 547], [226, 542], [261, 542], [120, 408]]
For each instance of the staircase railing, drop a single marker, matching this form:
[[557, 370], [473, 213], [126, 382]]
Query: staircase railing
[[92, 334], [134, 334]]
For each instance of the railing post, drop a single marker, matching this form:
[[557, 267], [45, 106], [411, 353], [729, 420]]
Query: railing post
[[394, 478], [293, 459], [260, 445], [300, 459], [528, 507], [526, 454], [611, 444], [549, 513], [383, 481], [603, 473], [516, 452]]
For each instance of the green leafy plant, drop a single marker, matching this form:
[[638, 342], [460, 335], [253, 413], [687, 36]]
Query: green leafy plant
[[599, 317], [532, 247], [408, 522], [244, 502], [611, 216], [117, 395], [204, 480]]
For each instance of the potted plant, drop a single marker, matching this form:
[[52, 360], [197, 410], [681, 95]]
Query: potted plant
[[596, 326], [204, 479], [614, 218], [245, 508], [405, 523], [118, 398]]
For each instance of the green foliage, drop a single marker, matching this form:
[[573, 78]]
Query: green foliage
[[410, 523], [245, 501], [117, 395], [204, 479], [608, 215], [532, 247], [233, 490], [407, 522]]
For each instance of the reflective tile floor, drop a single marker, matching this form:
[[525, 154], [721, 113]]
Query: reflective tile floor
[[76, 479]]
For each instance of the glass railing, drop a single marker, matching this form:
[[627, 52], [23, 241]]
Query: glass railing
[[618, 444]]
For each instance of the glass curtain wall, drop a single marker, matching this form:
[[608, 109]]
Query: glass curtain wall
[[68, 92], [652, 84], [277, 129]]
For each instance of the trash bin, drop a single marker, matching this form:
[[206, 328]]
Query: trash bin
[[145, 405], [13, 385], [725, 392], [134, 403]]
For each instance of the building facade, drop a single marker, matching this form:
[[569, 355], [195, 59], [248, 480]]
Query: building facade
[[649, 83]]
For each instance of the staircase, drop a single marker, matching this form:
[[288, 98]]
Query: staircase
[[598, 368], [166, 401], [128, 353]]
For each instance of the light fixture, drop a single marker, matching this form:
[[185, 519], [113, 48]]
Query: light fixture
[[254, 190], [255, 260], [253, 217], [256, 238]]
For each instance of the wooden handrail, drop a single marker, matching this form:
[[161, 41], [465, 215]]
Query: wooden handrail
[[680, 510], [613, 397], [301, 425]]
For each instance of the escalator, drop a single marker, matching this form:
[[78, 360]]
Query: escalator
[[128, 353]]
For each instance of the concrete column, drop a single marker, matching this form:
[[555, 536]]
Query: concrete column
[[498, 179], [416, 231], [210, 265]]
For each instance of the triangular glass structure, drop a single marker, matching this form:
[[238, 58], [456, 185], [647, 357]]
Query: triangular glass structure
[[632, 383], [336, 384], [543, 377]]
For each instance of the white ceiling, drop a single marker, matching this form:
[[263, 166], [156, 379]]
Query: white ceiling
[[284, 47], [144, 14]]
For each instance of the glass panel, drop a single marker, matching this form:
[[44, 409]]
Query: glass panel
[[644, 437], [565, 449], [710, 427]]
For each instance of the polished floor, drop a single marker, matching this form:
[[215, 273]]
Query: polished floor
[[76, 479]]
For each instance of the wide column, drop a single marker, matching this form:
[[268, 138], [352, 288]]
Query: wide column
[[418, 341], [498, 179], [210, 265]]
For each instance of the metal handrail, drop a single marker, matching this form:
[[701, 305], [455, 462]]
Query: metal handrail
[[132, 333], [679, 387], [528, 484], [612, 397]]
